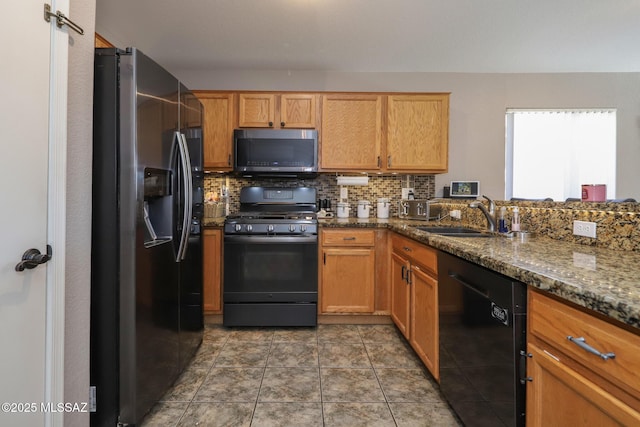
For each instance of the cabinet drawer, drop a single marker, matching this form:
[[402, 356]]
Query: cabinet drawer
[[348, 237], [419, 253], [553, 322]]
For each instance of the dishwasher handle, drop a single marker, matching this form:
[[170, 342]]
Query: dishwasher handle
[[478, 290]]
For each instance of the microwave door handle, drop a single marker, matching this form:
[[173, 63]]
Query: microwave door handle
[[185, 163]]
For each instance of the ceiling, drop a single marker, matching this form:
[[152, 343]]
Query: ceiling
[[478, 36]]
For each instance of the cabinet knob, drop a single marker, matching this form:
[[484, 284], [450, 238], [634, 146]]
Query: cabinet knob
[[281, 124], [270, 124]]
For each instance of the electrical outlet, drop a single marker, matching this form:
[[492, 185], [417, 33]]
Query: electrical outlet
[[455, 214], [406, 191], [584, 228], [344, 194]]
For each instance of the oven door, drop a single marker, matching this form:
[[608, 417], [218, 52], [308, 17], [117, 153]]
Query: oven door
[[270, 268]]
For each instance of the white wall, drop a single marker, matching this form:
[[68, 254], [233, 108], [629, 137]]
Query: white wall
[[78, 249], [477, 109]]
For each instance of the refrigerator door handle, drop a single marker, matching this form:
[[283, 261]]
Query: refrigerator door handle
[[188, 195]]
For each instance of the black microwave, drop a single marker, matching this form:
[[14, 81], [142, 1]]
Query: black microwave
[[279, 152]]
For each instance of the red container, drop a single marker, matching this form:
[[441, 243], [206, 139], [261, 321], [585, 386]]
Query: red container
[[594, 192]]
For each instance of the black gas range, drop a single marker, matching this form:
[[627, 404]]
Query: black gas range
[[271, 258]]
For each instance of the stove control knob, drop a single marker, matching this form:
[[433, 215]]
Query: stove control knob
[[270, 228], [237, 227], [303, 228], [249, 227], [292, 228]]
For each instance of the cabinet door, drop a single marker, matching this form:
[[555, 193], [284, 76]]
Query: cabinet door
[[191, 110], [351, 132], [212, 272], [400, 293], [217, 129], [256, 110], [348, 276], [424, 319], [418, 132], [298, 111], [559, 396]]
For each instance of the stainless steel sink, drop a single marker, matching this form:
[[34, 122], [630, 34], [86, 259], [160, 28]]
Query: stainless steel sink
[[455, 231]]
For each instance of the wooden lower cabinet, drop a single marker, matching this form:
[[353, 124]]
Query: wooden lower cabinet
[[347, 278], [212, 271], [414, 298], [424, 337], [559, 396], [400, 293], [571, 386]]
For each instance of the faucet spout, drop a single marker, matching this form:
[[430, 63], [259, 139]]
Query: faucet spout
[[490, 213]]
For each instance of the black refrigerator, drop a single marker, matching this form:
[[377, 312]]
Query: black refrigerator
[[146, 260]]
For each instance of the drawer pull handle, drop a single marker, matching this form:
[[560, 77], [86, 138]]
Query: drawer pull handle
[[580, 342], [407, 249], [349, 238]]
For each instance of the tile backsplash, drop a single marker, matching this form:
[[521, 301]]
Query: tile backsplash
[[327, 188], [618, 224]]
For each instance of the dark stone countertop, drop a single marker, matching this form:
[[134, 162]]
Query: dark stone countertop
[[604, 280]]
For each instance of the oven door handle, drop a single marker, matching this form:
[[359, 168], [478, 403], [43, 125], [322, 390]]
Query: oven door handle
[[271, 239]]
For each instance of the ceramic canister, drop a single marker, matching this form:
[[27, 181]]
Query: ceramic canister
[[383, 207], [594, 192], [343, 210], [363, 208]]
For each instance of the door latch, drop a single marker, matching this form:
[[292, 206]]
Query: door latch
[[33, 258]]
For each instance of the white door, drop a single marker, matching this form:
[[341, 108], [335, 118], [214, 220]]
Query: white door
[[25, 378]]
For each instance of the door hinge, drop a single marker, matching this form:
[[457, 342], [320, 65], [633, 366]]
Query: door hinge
[[61, 19], [92, 398]]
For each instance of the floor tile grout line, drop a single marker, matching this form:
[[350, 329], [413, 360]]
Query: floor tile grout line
[[320, 376], [205, 377], [264, 372], [375, 373]]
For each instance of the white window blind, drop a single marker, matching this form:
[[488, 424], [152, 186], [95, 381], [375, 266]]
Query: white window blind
[[552, 153]]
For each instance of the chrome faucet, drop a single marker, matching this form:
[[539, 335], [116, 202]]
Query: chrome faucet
[[489, 214]]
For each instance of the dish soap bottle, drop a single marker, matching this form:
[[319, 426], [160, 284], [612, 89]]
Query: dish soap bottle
[[515, 221], [502, 223]]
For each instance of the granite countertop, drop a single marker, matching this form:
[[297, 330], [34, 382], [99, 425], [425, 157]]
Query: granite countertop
[[603, 280]]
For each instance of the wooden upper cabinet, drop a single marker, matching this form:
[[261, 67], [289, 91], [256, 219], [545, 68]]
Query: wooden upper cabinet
[[298, 111], [417, 132], [256, 110], [100, 41], [217, 127], [191, 111], [351, 132], [268, 110]]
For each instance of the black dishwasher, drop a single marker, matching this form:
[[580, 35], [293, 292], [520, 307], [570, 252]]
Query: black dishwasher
[[482, 335]]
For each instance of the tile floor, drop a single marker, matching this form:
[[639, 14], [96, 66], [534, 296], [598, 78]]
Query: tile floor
[[332, 375]]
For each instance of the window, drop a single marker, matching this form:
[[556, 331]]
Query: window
[[552, 153]]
